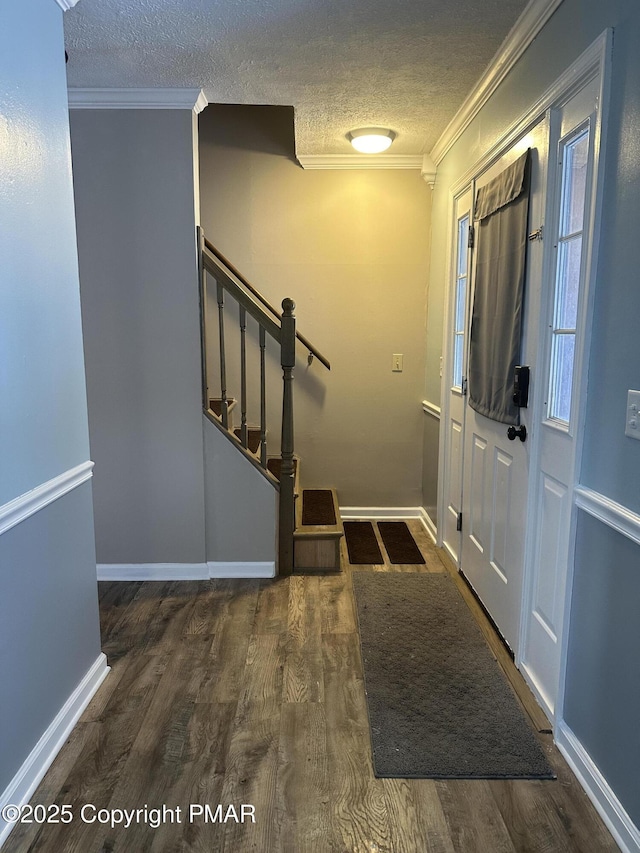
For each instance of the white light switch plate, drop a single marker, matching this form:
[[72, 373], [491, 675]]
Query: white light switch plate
[[396, 364], [632, 428]]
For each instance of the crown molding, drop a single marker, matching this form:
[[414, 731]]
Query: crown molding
[[428, 170], [65, 5], [360, 161], [137, 99], [524, 31]]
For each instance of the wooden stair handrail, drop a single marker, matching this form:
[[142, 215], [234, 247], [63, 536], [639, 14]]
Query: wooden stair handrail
[[253, 290]]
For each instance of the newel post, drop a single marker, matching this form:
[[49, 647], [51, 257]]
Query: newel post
[[287, 478]]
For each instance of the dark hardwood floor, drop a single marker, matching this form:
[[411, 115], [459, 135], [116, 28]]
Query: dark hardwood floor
[[251, 692]]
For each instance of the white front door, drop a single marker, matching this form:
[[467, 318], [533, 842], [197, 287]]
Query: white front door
[[565, 316], [496, 469]]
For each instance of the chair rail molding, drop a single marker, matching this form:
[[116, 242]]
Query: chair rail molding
[[137, 99], [609, 512], [432, 409], [28, 504], [531, 21]]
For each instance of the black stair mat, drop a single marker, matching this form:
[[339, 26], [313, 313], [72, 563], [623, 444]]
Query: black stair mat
[[399, 544], [362, 544], [317, 507]]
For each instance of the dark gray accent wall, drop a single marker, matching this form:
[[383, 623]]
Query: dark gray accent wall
[[48, 620], [601, 621], [135, 204], [49, 631]]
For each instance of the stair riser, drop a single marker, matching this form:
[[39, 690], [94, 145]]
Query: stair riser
[[319, 555]]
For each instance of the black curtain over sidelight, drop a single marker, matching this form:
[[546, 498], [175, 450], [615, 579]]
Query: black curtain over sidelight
[[501, 211]]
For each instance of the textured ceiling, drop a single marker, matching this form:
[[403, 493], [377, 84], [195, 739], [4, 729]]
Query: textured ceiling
[[402, 64]]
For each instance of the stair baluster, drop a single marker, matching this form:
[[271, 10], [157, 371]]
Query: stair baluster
[[263, 398], [223, 363], [282, 328], [243, 376], [287, 479]]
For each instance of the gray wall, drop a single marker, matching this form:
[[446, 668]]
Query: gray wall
[[241, 506], [134, 191], [49, 633], [351, 248], [611, 463]]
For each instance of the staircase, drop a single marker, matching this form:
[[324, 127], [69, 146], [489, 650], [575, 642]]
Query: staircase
[[309, 524]]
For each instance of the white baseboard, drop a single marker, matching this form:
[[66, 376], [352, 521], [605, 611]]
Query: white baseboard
[[183, 571], [610, 809], [152, 572], [381, 513], [428, 525], [242, 570], [28, 777]]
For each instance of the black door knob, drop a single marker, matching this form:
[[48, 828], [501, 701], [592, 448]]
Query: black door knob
[[517, 432]]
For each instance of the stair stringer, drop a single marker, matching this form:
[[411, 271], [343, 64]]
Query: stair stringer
[[241, 505]]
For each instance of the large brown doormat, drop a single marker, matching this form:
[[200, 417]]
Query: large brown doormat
[[439, 705], [362, 544], [399, 544]]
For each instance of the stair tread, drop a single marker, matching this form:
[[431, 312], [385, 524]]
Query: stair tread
[[318, 531], [318, 508], [253, 437], [215, 404], [274, 464]]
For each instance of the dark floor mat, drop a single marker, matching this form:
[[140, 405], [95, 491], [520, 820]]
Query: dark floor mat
[[439, 704], [399, 544], [317, 507], [362, 544]]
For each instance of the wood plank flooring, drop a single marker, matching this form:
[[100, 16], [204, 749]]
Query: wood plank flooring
[[251, 692]]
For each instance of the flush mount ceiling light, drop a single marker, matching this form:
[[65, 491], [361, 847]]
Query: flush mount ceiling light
[[371, 140]]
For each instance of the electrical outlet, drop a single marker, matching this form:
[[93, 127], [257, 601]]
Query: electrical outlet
[[632, 428], [396, 365]]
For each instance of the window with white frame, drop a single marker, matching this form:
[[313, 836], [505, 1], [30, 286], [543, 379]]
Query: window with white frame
[[574, 152], [460, 300]]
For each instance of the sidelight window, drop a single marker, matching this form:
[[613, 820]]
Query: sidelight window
[[569, 273], [462, 274]]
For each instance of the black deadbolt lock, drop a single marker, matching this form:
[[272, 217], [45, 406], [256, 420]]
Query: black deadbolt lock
[[521, 386]]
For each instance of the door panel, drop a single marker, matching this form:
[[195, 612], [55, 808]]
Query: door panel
[[495, 478], [573, 125]]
